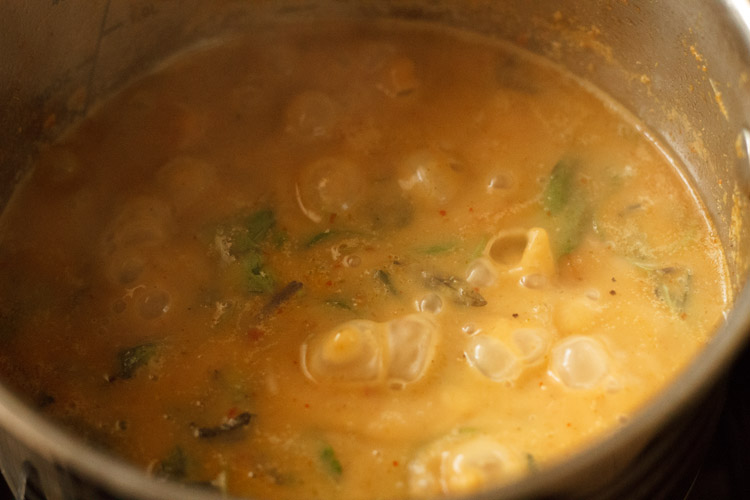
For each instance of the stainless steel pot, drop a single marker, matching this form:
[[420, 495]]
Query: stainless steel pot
[[683, 67]]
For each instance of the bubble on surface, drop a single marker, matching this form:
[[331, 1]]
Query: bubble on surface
[[312, 114], [475, 463], [350, 352], [433, 177], [462, 463], [577, 314], [506, 249], [430, 303], [492, 358], [124, 268], [527, 252], [500, 182], [470, 329], [411, 343], [534, 281], [143, 222], [392, 353], [398, 78], [579, 362], [481, 273], [531, 343], [153, 303], [329, 186]]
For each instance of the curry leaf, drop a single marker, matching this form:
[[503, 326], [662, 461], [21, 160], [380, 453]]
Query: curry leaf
[[439, 248], [252, 231], [341, 303], [461, 291], [258, 278], [559, 188], [385, 279], [173, 466], [567, 207], [258, 224], [672, 285], [131, 359], [228, 425]]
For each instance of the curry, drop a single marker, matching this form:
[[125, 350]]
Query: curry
[[357, 262]]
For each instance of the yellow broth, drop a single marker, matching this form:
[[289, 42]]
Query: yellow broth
[[353, 262]]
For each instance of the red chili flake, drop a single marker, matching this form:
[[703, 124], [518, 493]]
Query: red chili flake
[[50, 121], [443, 212], [329, 283], [569, 424], [232, 412], [471, 209], [332, 218], [307, 405], [255, 333], [395, 463]]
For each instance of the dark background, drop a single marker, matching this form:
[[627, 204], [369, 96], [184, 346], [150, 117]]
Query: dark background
[[725, 473]]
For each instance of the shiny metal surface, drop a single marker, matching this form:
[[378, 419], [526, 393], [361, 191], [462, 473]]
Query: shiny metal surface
[[682, 67]]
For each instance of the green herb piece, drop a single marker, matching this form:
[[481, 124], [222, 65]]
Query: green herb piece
[[672, 286], [131, 359], [173, 466], [570, 228], [258, 224], [249, 233], [567, 207], [439, 248], [258, 279], [228, 425], [479, 248], [330, 234], [341, 303], [323, 236], [331, 462], [461, 291], [559, 188], [385, 278]]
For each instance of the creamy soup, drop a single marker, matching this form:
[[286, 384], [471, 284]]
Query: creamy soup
[[353, 262]]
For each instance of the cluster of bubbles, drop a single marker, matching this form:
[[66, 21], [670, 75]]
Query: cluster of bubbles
[[395, 352]]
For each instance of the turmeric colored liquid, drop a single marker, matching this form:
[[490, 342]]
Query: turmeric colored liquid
[[353, 262]]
